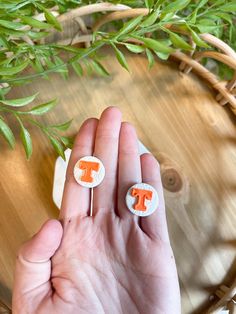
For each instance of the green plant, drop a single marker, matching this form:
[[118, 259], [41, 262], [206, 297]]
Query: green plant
[[24, 25]]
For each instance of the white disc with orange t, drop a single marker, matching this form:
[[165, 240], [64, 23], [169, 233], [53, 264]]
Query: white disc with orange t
[[142, 199], [89, 171]]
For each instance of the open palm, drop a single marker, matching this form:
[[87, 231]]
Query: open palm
[[112, 261]]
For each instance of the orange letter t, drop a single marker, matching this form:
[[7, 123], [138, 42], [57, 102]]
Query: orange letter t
[[88, 167], [141, 196]]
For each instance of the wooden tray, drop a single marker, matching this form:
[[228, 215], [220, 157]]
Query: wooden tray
[[175, 114]]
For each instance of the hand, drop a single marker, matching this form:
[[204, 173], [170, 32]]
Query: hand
[[112, 262]]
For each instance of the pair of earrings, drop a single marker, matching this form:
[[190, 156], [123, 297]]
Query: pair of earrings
[[141, 198]]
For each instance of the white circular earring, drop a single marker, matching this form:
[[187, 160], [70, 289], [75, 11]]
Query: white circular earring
[[142, 199], [89, 171]]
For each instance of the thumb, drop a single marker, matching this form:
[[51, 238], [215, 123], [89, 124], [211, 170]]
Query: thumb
[[33, 265]]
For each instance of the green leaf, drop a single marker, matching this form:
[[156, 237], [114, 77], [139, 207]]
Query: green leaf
[[63, 67], [14, 7], [225, 16], [7, 133], [27, 142], [134, 48], [194, 14], [11, 25], [129, 26], [57, 146], [50, 18], [77, 68], [43, 108], [35, 23], [37, 35], [162, 56], [88, 66], [67, 141], [62, 127], [175, 6], [159, 2], [150, 58], [6, 6], [4, 91], [201, 4], [4, 43], [99, 68], [229, 7], [206, 25], [59, 61], [11, 70], [149, 3], [179, 42], [26, 139], [85, 52], [232, 34], [11, 32], [218, 2], [198, 40], [38, 65], [49, 63], [68, 48], [121, 58], [151, 19], [193, 17], [166, 17], [23, 81], [155, 45], [20, 102]]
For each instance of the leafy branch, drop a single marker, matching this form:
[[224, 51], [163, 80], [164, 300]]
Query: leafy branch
[[52, 132], [158, 29]]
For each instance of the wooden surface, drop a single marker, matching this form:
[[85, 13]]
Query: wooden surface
[[173, 113]]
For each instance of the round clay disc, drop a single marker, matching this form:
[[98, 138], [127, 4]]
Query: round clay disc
[[142, 199], [89, 171]]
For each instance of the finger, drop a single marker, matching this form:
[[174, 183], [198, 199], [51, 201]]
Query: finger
[[33, 265], [154, 225], [76, 198], [129, 166], [106, 149]]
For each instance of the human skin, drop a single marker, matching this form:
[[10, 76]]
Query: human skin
[[113, 261]]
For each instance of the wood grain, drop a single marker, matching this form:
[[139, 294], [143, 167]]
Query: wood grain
[[175, 114]]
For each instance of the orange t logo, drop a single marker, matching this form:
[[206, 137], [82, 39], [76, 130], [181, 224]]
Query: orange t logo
[[88, 167], [141, 196]]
